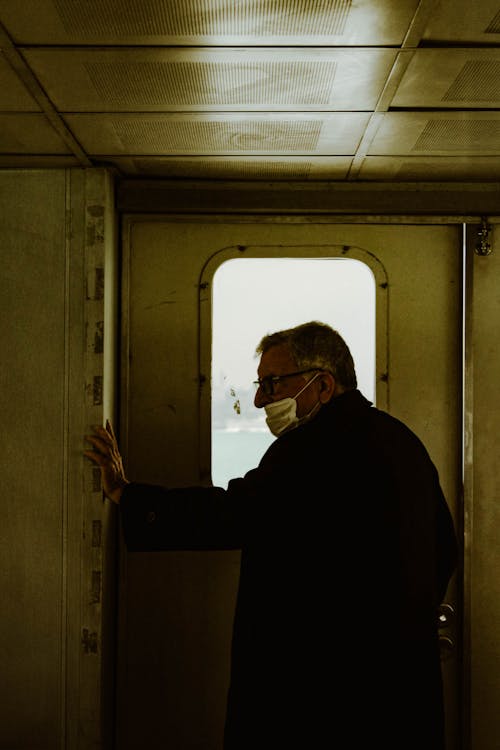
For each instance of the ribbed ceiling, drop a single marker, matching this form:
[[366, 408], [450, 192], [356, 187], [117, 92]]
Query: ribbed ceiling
[[126, 18]]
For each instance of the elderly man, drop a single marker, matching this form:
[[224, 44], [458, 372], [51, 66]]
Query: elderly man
[[348, 547]]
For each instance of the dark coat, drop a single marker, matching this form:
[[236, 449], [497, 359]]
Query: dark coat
[[348, 547]]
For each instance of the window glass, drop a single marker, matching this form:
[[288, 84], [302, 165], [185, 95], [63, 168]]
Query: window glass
[[255, 296]]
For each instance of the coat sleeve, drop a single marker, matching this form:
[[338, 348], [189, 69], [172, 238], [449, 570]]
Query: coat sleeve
[[198, 518]]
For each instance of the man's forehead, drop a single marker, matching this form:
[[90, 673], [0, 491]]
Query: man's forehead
[[276, 361]]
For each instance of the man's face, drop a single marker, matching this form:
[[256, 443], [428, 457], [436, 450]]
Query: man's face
[[278, 361]]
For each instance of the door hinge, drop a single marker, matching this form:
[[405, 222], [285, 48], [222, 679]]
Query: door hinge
[[483, 245]]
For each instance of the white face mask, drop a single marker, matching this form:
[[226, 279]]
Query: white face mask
[[282, 415]]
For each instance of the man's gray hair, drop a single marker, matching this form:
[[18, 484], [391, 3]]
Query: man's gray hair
[[314, 345]]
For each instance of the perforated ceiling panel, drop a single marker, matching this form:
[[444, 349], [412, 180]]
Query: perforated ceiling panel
[[429, 169], [205, 79], [438, 133], [453, 78], [459, 135], [219, 134], [284, 168], [271, 83], [464, 21], [209, 21], [494, 26], [478, 81], [204, 18], [217, 169]]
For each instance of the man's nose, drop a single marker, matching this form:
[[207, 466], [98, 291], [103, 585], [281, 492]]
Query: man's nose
[[261, 399]]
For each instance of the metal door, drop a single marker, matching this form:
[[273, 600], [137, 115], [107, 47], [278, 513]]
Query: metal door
[[176, 608]]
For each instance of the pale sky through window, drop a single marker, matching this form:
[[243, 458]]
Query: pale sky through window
[[256, 296]]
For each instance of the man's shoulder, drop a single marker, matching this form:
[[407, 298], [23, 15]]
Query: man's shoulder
[[393, 439], [361, 418]]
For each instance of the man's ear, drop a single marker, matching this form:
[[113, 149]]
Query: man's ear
[[328, 387]]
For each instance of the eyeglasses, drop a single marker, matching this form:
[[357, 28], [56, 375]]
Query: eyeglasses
[[267, 384]]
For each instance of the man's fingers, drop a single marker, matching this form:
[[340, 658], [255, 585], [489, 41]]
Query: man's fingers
[[104, 434], [106, 454], [102, 445], [97, 458], [103, 439], [109, 429]]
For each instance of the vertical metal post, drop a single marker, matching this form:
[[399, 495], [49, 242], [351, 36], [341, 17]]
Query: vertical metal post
[[470, 249]]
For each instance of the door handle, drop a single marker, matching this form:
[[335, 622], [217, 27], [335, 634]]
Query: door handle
[[446, 615], [446, 647]]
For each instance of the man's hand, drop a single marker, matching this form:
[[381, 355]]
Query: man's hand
[[107, 456]]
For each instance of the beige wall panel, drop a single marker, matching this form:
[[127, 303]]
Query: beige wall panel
[[31, 395], [56, 534]]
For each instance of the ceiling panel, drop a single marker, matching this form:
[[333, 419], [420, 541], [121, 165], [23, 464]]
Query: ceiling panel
[[464, 21], [124, 80], [236, 168], [438, 134], [220, 133], [430, 168], [29, 134], [14, 95], [451, 78], [212, 22]]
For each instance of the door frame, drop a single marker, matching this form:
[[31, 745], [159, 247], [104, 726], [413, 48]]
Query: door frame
[[382, 294]]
